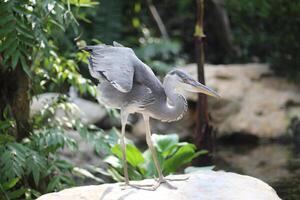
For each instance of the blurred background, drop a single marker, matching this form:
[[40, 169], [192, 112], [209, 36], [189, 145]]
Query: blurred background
[[55, 135]]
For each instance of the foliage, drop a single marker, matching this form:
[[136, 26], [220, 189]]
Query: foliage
[[38, 36], [108, 24], [160, 54], [268, 30], [28, 40], [34, 165], [172, 156]]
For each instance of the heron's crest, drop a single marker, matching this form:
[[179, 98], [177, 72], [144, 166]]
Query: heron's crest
[[181, 74]]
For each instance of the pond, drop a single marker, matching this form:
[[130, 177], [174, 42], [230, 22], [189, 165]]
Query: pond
[[276, 163]]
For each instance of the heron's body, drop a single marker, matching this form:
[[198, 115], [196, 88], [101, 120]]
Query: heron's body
[[144, 97], [125, 82]]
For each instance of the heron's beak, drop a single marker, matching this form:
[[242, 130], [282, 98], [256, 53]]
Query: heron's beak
[[195, 86]]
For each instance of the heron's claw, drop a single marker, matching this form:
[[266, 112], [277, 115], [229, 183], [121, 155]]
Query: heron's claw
[[178, 179], [137, 186], [173, 179], [152, 187]]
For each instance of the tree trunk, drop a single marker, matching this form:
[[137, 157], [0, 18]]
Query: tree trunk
[[221, 47], [14, 93], [203, 135]]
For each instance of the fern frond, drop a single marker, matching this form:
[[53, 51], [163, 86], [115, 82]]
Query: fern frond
[[50, 140]]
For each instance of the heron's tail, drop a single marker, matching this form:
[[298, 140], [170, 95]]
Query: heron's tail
[[91, 48]]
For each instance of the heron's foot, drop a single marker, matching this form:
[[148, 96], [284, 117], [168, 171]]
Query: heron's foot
[[128, 185], [174, 179], [184, 178], [165, 181]]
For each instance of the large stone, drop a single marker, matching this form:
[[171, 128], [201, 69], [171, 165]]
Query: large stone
[[89, 112], [205, 185], [254, 100]]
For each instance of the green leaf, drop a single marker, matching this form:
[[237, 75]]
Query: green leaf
[[16, 193], [11, 183], [115, 174], [15, 60], [26, 32], [184, 155], [25, 67], [21, 10], [149, 165], [4, 138], [31, 194], [11, 50], [36, 176], [85, 173], [134, 174], [133, 155], [63, 164], [113, 137], [83, 3], [164, 142], [61, 26], [6, 18], [11, 38], [53, 184], [5, 31], [173, 149], [27, 41], [113, 161]]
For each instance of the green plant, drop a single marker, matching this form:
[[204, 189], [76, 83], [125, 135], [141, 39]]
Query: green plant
[[161, 55], [29, 160], [33, 166], [172, 155], [268, 30]]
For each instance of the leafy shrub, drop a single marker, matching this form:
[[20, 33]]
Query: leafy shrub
[[28, 41], [160, 54], [172, 156], [268, 30], [33, 166]]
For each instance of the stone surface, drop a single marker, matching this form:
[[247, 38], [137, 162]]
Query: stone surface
[[254, 101], [204, 185], [88, 111]]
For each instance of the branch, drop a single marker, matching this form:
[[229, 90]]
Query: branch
[[159, 22]]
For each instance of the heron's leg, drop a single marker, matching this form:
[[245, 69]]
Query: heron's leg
[[161, 178], [151, 147], [124, 117]]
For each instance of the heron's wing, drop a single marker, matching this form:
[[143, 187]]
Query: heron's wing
[[141, 96], [114, 63]]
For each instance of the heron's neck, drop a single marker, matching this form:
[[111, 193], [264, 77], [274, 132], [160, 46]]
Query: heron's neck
[[175, 105]]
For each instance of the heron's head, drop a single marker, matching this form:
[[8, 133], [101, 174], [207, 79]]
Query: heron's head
[[184, 81]]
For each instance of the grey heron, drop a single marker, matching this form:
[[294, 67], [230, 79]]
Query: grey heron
[[126, 83]]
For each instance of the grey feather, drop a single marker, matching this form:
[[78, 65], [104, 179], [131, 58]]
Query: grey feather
[[130, 85], [116, 44], [116, 64]]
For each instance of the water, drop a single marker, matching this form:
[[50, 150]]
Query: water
[[275, 163]]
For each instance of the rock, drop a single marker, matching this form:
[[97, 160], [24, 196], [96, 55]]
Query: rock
[[204, 185], [254, 101], [88, 111], [40, 101]]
